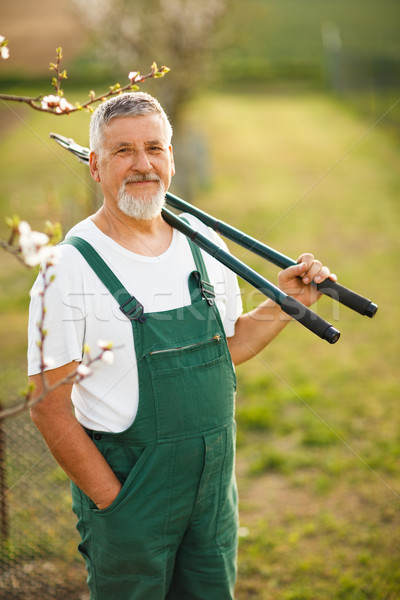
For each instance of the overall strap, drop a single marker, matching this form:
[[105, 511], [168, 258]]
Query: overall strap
[[199, 280], [128, 304]]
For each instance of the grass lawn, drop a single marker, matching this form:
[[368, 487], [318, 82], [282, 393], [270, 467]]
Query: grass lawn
[[318, 425]]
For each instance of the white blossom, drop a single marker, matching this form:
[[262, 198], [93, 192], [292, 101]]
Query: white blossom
[[45, 255], [34, 248], [58, 103], [108, 357], [83, 370], [105, 345], [64, 106], [24, 228], [54, 255], [50, 101], [5, 52], [134, 76], [49, 362], [37, 238]]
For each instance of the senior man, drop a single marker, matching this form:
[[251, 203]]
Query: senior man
[[150, 442]]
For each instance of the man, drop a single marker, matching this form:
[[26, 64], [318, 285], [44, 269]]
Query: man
[[149, 447]]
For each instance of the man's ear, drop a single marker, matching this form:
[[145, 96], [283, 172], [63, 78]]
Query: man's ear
[[94, 166], [172, 161]]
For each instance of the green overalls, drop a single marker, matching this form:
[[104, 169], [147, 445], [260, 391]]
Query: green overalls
[[171, 533]]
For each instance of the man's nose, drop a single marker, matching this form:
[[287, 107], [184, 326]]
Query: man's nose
[[141, 162]]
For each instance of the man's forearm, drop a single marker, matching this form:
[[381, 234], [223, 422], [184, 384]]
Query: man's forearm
[[78, 456], [72, 448]]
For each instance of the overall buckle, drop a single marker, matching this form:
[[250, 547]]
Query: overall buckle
[[206, 289], [135, 312]]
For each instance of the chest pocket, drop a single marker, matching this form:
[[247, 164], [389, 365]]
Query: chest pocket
[[193, 388]]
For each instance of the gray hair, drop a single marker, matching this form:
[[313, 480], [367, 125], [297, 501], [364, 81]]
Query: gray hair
[[132, 104]]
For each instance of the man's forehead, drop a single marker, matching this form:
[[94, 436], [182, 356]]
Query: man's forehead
[[136, 123]]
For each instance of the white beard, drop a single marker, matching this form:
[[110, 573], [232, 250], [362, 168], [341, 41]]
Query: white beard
[[141, 208]]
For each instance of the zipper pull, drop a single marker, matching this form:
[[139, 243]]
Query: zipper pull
[[217, 337]]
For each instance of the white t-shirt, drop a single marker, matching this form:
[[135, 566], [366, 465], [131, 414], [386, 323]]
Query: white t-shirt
[[80, 311]]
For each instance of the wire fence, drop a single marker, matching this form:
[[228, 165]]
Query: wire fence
[[38, 548]]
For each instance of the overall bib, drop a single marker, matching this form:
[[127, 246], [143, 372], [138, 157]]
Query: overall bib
[[171, 533]]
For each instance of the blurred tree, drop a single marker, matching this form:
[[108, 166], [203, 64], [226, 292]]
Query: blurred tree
[[126, 34]]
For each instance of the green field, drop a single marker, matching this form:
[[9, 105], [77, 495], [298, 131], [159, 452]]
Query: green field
[[318, 425], [318, 442]]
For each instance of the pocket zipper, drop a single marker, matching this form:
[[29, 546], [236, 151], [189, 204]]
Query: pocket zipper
[[215, 337]]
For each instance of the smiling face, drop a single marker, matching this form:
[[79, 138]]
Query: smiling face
[[135, 163]]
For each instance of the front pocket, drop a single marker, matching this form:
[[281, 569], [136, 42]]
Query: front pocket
[[193, 389], [126, 486], [131, 529]]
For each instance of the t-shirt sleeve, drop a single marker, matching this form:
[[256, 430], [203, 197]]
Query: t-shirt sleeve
[[64, 317]]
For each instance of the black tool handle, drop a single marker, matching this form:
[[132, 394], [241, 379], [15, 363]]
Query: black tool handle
[[309, 319], [336, 291], [289, 305], [347, 297]]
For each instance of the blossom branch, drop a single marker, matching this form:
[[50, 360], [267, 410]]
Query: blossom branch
[[82, 371], [34, 248], [57, 104]]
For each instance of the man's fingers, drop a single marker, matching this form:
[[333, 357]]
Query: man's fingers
[[322, 275], [311, 269]]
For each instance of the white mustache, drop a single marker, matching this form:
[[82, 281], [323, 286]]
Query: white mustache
[[142, 177]]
